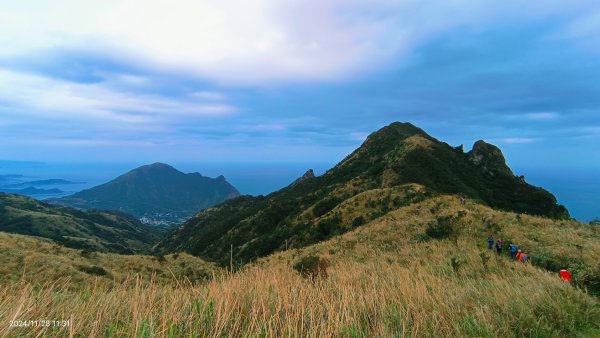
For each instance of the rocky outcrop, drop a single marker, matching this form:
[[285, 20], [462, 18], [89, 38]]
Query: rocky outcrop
[[489, 158], [307, 175]]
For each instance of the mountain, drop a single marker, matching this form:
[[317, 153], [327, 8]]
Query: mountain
[[31, 191], [90, 230], [156, 193], [10, 179], [52, 181], [396, 166], [37, 183]]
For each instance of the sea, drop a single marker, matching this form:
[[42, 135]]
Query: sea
[[577, 189]]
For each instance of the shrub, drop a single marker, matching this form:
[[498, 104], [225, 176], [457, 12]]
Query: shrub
[[194, 275], [443, 227], [324, 206], [328, 227], [422, 237], [358, 221], [312, 267], [93, 270], [485, 257], [456, 264], [85, 253]]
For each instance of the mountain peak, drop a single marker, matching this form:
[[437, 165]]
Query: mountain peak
[[155, 189], [396, 131], [158, 165], [388, 143], [401, 153], [307, 175]]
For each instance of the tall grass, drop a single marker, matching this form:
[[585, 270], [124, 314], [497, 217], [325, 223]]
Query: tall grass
[[375, 298]]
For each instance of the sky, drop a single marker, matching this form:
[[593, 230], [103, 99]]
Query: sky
[[297, 80]]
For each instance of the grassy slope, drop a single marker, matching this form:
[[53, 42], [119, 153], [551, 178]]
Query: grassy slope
[[385, 279], [30, 260], [91, 230]]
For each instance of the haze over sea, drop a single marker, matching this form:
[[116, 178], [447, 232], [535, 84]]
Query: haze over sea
[[577, 189]]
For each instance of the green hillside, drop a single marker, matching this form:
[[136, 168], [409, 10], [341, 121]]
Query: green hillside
[[89, 230], [396, 166], [157, 192], [395, 276]]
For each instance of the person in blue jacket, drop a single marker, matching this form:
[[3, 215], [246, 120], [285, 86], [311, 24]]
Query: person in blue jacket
[[490, 242], [512, 249]]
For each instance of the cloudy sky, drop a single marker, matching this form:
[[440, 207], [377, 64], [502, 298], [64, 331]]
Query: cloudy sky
[[296, 80]]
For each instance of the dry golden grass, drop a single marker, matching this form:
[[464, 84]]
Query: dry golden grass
[[31, 260], [358, 299], [383, 281]]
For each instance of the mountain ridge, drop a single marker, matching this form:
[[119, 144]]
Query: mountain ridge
[[398, 165]]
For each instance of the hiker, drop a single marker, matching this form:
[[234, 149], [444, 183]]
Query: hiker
[[512, 249], [565, 275], [524, 258], [462, 200], [499, 244], [519, 254], [490, 242]]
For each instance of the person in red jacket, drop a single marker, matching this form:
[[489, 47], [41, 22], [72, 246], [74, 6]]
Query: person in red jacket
[[565, 275], [524, 257]]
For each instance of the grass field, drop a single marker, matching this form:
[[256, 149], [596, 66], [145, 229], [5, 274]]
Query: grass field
[[387, 278]]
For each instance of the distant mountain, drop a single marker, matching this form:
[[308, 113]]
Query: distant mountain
[[52, 181], [32, 191], [37, 183], [90, 230], [396, 166], [154, 193], [10, 179]]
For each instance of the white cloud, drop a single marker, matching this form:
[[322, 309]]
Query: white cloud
[[252, 41], [51, 98], [262, 127], [207, 95], [519, 140], [591, 129], [586, 29], [542, 116], [74, 142]]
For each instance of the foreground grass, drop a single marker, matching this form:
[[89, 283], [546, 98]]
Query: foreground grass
[[356, 299]]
